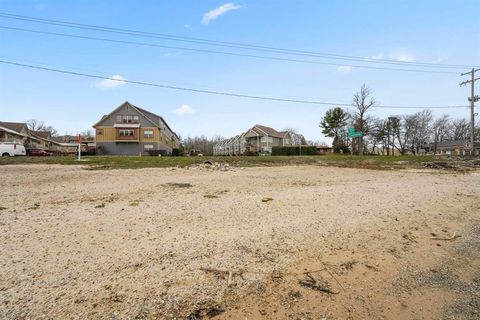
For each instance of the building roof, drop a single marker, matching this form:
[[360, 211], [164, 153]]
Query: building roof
[[42, 134], [65, 138], [264, 130], [15, 126], [12, 131]]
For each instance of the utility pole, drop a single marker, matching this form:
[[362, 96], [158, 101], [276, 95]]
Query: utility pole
[[472, 100]]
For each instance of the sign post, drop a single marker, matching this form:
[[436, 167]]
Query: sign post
[[79, 140], [354, 134]]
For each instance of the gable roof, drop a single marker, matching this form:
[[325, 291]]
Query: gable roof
[[13, 132], [152, 117], [284, 133], [264, 130], [14, 126], [42, 134]]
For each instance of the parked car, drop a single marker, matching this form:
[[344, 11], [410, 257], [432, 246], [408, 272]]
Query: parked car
[[38, 153], [12, 149], [195, 152], [264, 153]]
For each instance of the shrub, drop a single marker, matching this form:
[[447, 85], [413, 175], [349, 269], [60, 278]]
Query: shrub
[[175, 152], [294, 150], [156, 153], [251, 153]]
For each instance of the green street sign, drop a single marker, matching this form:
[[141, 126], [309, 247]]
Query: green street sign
[[354, 134]]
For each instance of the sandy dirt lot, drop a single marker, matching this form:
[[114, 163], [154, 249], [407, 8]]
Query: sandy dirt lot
[[196, 243]]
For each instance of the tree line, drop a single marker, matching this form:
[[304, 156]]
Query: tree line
[[404, 133]]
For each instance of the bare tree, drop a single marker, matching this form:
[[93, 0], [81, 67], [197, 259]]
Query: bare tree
[[378, 134], [35, 125], [459, 129], [440, 129], [297, 138], [362, 102], [404, 132], [202, 143], [423, 129], [38, 125]]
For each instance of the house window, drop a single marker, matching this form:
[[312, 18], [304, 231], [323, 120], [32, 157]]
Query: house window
[[127, 119], [99, 132], [148, 133], [148, 147], [264, 139], [126, 133]]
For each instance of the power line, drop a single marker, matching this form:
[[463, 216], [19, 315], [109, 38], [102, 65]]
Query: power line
[[220, 93], [220, 52], [224, 43]]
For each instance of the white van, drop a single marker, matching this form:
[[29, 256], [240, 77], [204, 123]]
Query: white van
[[12, 149]]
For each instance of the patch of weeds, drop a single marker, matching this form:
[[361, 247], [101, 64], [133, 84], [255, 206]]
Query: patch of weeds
[[215, 194], [394, 252], [110, 198], [3, 208], [316, 284], [208, 309], [101, 205], [178, 185], [301, 183], [35, 206], [135, 203], [349, 264]]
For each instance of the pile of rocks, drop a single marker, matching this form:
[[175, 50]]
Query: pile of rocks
[[216, 166], [211, 165]]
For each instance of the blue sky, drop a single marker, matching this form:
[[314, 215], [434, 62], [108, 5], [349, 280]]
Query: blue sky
[[428, 31]]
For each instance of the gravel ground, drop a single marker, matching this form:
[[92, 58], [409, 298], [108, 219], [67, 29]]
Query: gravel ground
[[199, 243]]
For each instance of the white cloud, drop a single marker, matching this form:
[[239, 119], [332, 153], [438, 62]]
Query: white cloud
[[376, 56], [401, 56], [398, 56], [115, 81], [344, 69], [215, 13], [183, 110]]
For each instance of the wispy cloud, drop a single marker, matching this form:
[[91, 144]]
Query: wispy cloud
[[115, 81], [217, 12], [184, 109], [344, 69], [401, 56], [376, 56]]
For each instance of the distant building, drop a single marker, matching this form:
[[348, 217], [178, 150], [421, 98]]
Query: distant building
[[130, 130], [14, 132], [456, 148], [256, 140], [18, 132]]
